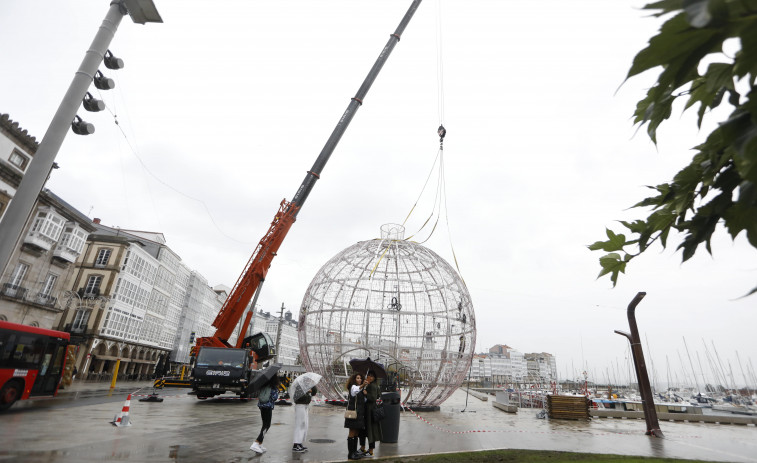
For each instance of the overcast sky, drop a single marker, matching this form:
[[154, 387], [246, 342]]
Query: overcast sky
[[228, 103]]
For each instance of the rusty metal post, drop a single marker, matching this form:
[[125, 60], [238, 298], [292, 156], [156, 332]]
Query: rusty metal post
[[647, 418], [647, 399]]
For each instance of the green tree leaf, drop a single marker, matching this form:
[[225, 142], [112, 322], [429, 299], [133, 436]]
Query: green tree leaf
[[719, 185], [612, 264]]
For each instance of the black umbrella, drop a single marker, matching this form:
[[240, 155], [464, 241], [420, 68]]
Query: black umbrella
[[263, 376], [363, 365]]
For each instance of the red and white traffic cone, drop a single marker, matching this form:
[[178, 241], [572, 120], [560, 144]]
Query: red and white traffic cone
[[122, 419]]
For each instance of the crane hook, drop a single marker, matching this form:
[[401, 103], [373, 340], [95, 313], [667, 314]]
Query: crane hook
[[442, 132]]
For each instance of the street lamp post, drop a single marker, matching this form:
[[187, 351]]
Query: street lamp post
[[20, 207]]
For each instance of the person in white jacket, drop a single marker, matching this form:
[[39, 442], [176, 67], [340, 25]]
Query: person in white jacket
[[301, 420]]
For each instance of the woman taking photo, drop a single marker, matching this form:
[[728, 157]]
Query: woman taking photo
[[356, 404], [372, 427]]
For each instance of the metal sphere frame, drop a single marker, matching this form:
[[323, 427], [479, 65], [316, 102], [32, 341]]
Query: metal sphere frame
[[400, 304]]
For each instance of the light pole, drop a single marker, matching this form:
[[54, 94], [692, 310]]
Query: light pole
[[20, 207], [278, 334]]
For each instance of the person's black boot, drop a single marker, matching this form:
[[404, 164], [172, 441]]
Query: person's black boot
[[352, 449]]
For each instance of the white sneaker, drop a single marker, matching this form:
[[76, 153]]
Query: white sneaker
[[263, 448], [255, 447]]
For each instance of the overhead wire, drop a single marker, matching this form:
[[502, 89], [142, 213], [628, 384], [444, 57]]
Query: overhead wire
[[166, 184], [123, 171]]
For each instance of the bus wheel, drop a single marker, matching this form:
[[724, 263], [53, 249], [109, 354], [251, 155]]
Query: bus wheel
[[9, 394]]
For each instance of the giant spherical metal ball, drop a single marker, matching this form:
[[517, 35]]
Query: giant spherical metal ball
[[396, 302]]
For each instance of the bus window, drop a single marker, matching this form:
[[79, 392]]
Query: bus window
[[45, 364]]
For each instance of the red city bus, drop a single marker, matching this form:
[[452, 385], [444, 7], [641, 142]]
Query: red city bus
[[31, 362]]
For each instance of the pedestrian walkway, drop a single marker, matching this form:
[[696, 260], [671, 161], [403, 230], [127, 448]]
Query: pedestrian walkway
[[182, 428]]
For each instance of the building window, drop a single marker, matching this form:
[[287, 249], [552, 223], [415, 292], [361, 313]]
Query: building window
[[73, 237], [18, 159], [102, 257], [80, 320], [18, 274], [48, 224], [4, 198], [93, 285], [47, 288]]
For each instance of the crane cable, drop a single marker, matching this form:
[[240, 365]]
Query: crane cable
[[441, 131], [440, 198]]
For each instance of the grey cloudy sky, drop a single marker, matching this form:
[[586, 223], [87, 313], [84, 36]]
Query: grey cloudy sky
[[230, 102]]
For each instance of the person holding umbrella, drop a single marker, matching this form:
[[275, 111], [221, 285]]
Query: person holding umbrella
[[356, 409], [266, 400], [302, 390], [372, 427]]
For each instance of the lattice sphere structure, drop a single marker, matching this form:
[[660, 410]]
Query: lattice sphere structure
[[396, 302]]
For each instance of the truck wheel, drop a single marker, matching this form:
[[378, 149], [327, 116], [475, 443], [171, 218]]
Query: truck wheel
[[9, 394], [202, 397]]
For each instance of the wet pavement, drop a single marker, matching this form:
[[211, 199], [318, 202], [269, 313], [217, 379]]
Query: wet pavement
[[75, 427]]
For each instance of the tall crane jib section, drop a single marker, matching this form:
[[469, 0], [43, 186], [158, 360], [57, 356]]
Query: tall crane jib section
[[251, 280]]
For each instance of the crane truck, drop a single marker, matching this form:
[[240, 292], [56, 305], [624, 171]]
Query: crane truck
[[220, 366]]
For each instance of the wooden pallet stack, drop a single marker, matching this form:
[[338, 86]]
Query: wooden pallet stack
[[568, 407]]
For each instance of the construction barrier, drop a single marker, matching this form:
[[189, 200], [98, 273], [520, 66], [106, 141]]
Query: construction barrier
[[122, 419]]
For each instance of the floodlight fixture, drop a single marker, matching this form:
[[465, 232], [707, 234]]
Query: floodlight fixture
[[104, 83], [81, 127], [92, 104], [142, 11], [111, 62]]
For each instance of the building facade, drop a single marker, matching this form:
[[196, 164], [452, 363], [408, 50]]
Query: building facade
[[200, 304], [124, 295], [505, 366], [17, 149], [41, 264], [118, 308], [541, 367]]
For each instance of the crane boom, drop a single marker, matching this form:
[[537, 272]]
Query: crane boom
[[250, 281]]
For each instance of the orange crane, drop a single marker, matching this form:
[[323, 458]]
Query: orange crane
[[251, 280]]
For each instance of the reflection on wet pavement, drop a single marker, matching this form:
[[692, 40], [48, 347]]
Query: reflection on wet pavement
[[75, 428]]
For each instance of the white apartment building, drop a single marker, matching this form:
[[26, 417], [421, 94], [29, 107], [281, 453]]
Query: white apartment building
[[200, 304], [148, 304], [542, 367], [501, 365]]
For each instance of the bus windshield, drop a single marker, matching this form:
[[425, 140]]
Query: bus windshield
[[211, 356]]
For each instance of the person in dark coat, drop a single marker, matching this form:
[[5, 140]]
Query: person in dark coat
[[372, 428], [266, 401], [355, 401]]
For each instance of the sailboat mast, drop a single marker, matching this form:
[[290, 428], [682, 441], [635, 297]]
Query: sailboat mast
[[693, 372], [741, 367]]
